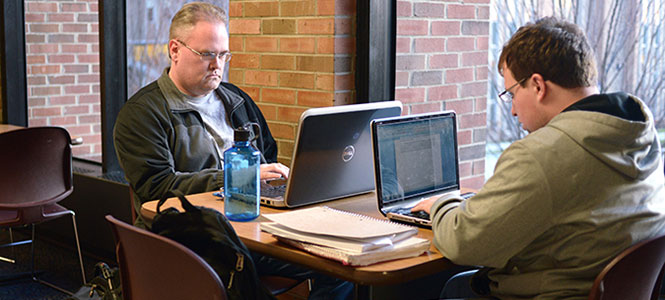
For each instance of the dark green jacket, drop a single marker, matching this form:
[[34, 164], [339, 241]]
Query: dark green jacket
[[162, 143]]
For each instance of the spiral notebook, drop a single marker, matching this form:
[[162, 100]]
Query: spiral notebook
[[350, 238], [410, 247], [326, 221]]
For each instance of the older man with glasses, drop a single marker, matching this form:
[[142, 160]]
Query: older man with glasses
[[171, 134]]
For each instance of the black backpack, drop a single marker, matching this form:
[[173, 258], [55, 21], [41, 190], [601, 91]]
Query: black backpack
[[210, 235]]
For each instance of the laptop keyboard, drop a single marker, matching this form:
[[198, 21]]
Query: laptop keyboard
[[422, 214], [417, 214], [272, 191]]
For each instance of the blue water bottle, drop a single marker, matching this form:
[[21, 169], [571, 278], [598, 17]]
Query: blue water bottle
[[241, 176]]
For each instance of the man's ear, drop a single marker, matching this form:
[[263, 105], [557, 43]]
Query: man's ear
[[173, 50], [539, 85]]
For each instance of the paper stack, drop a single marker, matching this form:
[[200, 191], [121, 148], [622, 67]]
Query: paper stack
[[353, 239]]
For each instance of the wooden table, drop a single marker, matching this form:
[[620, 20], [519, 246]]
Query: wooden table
[[8, 127], [384, 273]]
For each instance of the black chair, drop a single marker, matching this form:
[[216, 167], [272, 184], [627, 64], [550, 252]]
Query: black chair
[[36, 173]]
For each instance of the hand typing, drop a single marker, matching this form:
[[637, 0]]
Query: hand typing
[[425, 205], [274, 171]]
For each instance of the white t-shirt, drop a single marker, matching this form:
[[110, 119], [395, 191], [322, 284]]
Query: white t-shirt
[[214, 116]]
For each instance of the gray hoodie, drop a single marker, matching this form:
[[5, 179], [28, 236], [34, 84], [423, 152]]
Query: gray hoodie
[[562, 203]]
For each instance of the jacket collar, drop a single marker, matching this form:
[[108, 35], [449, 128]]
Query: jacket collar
[[177, 101]]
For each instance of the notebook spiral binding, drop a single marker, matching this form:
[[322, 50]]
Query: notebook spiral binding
[[361, 216]]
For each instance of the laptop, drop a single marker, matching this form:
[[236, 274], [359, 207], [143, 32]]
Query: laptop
[[332, 156], [415, 157]]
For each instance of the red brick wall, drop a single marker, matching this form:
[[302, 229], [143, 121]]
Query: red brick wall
[[293, 55], [442, 63], [62, 52], [289, 56]]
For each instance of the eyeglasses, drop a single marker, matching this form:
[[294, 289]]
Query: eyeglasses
[[507, 95], [209, 56]]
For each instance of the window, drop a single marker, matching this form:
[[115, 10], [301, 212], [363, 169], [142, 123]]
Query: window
[[629, 54]]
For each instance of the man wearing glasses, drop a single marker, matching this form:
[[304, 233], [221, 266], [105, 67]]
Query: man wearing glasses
[[583, 185], [171, 134]]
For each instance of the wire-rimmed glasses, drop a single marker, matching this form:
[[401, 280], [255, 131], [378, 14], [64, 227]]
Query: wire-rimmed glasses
[[507, 95], [209, 56]]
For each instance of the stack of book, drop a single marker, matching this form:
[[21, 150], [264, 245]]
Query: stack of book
[[352, 239]]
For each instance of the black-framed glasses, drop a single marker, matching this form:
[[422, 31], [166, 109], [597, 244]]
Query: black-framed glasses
[[209, 56], [507, 95]]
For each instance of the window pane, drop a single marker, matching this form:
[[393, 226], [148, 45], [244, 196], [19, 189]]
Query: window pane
[[629, 55], [147, 38]]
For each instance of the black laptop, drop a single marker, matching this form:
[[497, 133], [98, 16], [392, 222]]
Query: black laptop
[[415, 157]]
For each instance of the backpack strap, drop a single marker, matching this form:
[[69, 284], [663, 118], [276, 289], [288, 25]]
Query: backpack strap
[[183, 201]]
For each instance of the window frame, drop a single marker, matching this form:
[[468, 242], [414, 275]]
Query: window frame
[[12, 42], [375, 59]]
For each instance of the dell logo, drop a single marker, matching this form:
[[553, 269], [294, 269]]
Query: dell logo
[[348, 153]]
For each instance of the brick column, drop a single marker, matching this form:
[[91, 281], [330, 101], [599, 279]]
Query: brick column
[[290, 56], [442, 63]]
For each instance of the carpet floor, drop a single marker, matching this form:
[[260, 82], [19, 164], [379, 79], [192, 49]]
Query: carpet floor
[[55, 263]]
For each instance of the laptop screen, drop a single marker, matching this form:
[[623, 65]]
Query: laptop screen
[[416, 155]]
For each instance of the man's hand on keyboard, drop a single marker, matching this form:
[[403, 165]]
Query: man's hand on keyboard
[[425, 205], [274, 171]]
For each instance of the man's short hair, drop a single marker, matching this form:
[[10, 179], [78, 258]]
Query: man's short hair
[[191, 13], [556, 49]]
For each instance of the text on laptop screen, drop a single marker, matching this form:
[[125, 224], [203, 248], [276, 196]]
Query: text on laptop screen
[[417, 157]]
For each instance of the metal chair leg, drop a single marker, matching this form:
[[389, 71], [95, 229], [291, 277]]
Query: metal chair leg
[[32, 252], [11, 241], [78, 247], [32, 268]]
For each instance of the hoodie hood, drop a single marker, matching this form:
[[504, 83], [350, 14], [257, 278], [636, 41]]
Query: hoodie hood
[[623, 141]]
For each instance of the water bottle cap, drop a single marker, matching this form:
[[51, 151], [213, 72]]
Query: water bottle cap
[[241, 134]]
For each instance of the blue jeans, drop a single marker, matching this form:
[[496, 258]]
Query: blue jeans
[[323, 287]]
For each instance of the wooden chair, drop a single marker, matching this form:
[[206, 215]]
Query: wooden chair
[[36, 174], [636, 273], [146, 275], [275, 284], [155, 267]]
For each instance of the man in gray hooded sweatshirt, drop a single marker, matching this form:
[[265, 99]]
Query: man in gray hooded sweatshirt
[[583, 185]]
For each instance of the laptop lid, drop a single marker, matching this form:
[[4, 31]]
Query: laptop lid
[[415, 157], [332, 156]]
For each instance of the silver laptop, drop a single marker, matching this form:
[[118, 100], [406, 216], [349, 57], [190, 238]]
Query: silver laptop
[[415, 157], [332, 156]]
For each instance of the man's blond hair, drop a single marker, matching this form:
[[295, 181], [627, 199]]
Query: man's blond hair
[[191, 13]]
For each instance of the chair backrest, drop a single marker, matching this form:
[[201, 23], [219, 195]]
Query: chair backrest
[[36, 166], [35, 170], [155, 267], [636, 273]]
